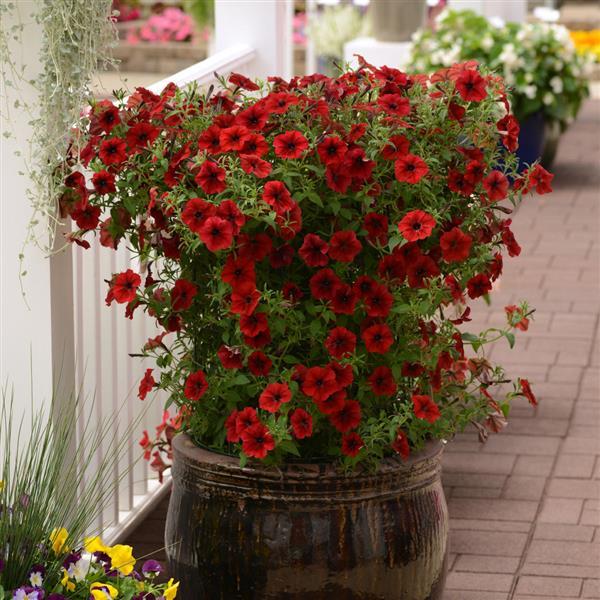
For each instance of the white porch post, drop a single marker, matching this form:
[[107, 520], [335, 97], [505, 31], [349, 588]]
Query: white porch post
[[265, 25]]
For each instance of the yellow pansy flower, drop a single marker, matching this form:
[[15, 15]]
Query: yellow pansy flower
[[121, 558], [103, 591], [94, 544], [69, 585], [171, 590], [58, 539]]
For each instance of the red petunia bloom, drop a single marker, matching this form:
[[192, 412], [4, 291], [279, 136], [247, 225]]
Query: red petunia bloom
[[229, 211], [254, 117], [526, 391], [456, 112], [496, 186], [509, 128], [425, 408], [124, 286], [245, 418], [291, 144], [394, 104], [233, 138], [340, 342], [396, 147], [291, 292], [253, 324], [216, 233], [289, 222], [255, 165], [460, 183], [104, 182], [244, 298], [400, 444], [273, 396], [319, 383], [337, 178], [279, 102], [379, 301], [259, 364], [113, 151], [344, 246], [231, 358], [243, 82], [455, 245], [347, 418], [344, 299], [195, 212], [332, 403], [479, 285], [211, 178], [302, 424], [416, 225], [257, 441], [377, 228], [86, 216], [382, 381], [281, 257], [276, 195], [146, 384], [410, 168], [254, 247], [471, 86], [255, 145], [378, 338], [210, 139], [183, 294], [392, 267], [475, 171], [195, 386], [232, 436], [541, 179], [357, 164], [314, 251], [516, 317], [343, 374], [420, 270], [323, 283], [332, 150], [508, 239], [141, 135], [238, 271], [364, 285], [109, 119], [351, 444]]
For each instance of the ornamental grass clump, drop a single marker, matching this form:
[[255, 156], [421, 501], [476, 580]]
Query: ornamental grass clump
[[309, 251]]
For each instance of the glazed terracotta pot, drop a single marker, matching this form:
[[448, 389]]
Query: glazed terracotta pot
[[306, 531]]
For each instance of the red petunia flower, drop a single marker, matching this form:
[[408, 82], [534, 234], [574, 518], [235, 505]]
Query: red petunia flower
[[243, 82], [210, 139], [344, 246], [337, 178], [412, 369], [516, 317], [526, 391], [396, 147], [323, 283], [109, 119], [455, 245], [183, 294], [357, 164], [104, 182], [392, 267], [364, 285], [340, 342], [379, 301], [471, 86], [257, 441], [253, 324], [332, 403], [332, 150], [540, 179], [231, 358], [291, 292], [229, 211], [352, 444], [195, 212], [233, 138], [382, 381], [319, 383], [416, 225], [378, 338], [281, 257], [496, 186], [302, 424], [343, 374], [344, 299], [475, 171], [410, 168], [394, 104], [232, 436], [195, 386], [260, 340], [254, 247], [216, 233], [291, 144], [146, 384], [141, 135], [255, 145], [273, 396], [254, 117], [124, 286], [245, 418], [347, 418], [86, 216], [508, 239], [456, 112], [255, 165], [259, 364], [460, 183], [113, 151], [479, 285], [377, 228], [509, 128], [244, 298], [314, 251], [238, 271], [211, 178], [420, 270], [276, 195], [425, 408], [400, 444], [289, 222], [279, 102]]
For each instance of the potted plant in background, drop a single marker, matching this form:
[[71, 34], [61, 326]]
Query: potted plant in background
[[309, 249], [548, 79]]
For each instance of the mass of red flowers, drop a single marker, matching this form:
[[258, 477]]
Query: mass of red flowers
[[310, 249]]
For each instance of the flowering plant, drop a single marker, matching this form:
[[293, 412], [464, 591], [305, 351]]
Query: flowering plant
[[587, 41], [538, 60], [171, 25], [94, 572], [309, 249]]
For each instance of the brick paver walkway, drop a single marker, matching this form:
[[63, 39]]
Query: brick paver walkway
[[525, 507]]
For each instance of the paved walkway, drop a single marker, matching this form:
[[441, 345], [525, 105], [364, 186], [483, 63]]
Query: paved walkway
[[525, 507]]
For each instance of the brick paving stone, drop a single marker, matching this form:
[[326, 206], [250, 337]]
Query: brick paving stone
[[560, 510], [482, 525], [476, 463], [559, 570], [490, 543], [497, 510], [549, 586], [574, 488], [523, 487], [591, 588], [478, 595], [486, 564], [574, 465], [533, 465], [559, 531], [485, 582], [564, 552]]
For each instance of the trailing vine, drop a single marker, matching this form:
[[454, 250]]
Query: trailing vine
[[77, 37]]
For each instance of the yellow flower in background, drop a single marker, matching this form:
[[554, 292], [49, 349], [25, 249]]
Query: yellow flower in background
[[68, 585], [103, 591], [121, 558], [587, 41], [171, 590], [94, 544], [58, 539]]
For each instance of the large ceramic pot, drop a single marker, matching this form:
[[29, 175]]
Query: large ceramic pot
[[396, 21], [531, 139], [306, 531]]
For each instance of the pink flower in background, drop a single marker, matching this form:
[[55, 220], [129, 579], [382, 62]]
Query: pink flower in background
[[171, 25]]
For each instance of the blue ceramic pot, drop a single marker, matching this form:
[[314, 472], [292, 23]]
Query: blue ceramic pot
[[531, 139]]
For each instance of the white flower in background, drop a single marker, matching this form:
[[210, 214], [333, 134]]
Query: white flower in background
[[447, 38], [556, 83], [438, 57], [36, 579], [80, 569], [530, 91], [417, 36], [487, 42], [509, 57], [558, 65], [548, 98], [561, 33], [528, 77], [442, 16], [497, 22]]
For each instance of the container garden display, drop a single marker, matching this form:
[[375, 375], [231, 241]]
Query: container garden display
[[547, 77], [309, 250]]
